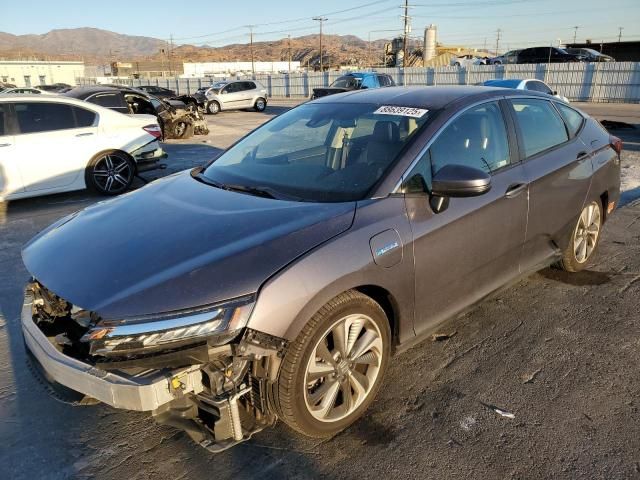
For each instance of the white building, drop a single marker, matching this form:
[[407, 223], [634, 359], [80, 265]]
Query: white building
[[205, 69], [29, 73]]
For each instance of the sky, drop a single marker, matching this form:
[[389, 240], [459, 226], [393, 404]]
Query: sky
[[473, 23]]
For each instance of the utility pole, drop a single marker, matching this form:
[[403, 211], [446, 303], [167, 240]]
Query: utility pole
[[498, 36], [406, 33], [575, 33], [620, 33], [289, 37], [253, 66], [321, 20], [170, 55]]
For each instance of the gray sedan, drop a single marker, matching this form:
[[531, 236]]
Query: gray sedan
[[278, 281]]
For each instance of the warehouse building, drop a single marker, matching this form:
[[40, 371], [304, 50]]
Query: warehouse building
[[29, 73], [205, 69]]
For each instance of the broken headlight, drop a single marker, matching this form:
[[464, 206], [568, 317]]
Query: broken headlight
[[216, 324]]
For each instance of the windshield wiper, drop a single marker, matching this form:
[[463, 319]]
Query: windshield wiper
[[257, 191]]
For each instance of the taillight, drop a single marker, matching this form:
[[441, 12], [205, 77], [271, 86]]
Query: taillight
[[615, 143], [154, 130]]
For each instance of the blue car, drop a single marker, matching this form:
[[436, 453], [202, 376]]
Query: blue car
[[355, 81], [525, 84]]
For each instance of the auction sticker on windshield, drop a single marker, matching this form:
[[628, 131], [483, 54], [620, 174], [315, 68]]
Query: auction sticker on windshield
[[403, 111]]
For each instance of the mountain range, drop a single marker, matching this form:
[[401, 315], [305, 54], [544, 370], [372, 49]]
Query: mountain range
[[100, 46]]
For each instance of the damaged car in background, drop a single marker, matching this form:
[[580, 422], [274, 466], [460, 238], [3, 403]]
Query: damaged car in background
[[280, 278], [177, 119], [354, 81]]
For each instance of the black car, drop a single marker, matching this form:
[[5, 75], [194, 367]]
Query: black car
[[355, 81], [591, 55], [547, 55], [176, 119], [54, 87], [156, 91]]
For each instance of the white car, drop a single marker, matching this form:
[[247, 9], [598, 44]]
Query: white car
[[525, 84], [23, 91], [467, 61], [51, 144]]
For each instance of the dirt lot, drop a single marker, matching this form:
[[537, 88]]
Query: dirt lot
[[560, 352]]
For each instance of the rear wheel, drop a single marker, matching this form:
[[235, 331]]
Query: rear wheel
[[260, 105], [110, 173], [332, 372], [584, 239]]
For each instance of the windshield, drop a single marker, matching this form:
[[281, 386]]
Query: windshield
[[329, 152], [347, 82]]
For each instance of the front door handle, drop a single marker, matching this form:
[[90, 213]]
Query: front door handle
[[581, 155], [515, 189], [5, 144], [84, 134]]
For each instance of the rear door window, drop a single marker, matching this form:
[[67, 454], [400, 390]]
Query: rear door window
[[84, 117], [540, 125], [43, 117], [4, 119], [573, 119], [249, 85], [109, 100]]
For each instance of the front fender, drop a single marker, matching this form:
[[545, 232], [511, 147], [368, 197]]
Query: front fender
[[287, 301]]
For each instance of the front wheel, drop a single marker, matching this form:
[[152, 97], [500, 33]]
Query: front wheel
[[213, 107], [584, 239], [110, 173], [332, 372]]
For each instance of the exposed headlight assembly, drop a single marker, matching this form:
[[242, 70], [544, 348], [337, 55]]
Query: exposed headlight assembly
[[216, 324]]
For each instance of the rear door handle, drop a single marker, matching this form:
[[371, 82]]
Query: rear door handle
[[84, 134], [582, 155], [515, 189], [5, 144]]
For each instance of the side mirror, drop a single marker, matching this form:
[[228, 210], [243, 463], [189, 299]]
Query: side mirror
[[555, 92], [460, 181]]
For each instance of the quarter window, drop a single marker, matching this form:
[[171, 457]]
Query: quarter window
[[573, 119], [540, 125], [43, 117], [477, 138]]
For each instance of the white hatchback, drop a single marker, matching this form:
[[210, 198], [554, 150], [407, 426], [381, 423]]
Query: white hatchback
[[51, 144]]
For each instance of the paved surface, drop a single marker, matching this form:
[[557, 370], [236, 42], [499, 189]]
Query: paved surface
[[560, 352]]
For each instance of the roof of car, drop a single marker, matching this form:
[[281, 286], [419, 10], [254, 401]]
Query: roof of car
[[86, 91], [417, 96]]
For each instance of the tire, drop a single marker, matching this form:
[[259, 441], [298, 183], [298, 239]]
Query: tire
[[213, 107], [110, 173], [584, 240], [310, 394], [181, 129], [260, 105]]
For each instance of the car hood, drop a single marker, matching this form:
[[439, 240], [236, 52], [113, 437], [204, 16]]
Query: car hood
[[175, 244]]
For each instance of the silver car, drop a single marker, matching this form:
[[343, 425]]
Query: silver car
[[232, 95]]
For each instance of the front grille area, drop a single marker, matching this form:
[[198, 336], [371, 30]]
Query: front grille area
[[60, 322]]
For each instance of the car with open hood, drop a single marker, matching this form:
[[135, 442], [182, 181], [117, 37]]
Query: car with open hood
[[278, 281]]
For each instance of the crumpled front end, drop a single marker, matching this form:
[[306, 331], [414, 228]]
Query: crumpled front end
[[205, 372]]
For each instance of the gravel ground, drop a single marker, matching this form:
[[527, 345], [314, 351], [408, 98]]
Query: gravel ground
[[560, 352]]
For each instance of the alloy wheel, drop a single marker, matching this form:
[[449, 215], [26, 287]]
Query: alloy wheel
[[343, 368], [112, 173], [260, 105], [586, 234]]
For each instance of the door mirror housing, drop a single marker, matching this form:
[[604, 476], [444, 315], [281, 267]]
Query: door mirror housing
[[460, 181]]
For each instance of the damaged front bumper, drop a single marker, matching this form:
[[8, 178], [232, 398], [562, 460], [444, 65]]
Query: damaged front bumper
[[221, 400], [143, 392]]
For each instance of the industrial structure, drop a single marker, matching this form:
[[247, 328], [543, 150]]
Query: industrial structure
[[29, 73]]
